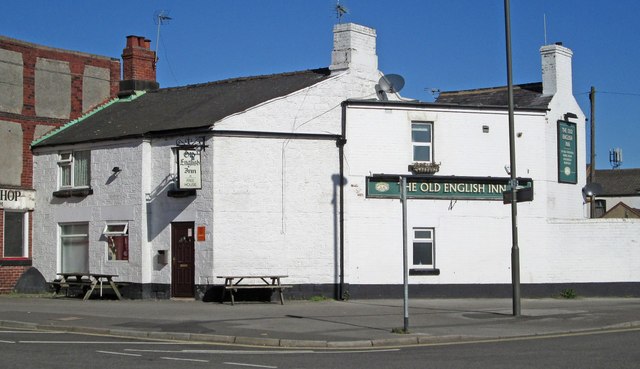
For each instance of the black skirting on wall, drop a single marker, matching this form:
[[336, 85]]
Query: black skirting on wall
[[213, 293]]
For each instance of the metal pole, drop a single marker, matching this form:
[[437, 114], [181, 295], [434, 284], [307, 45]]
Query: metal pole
[[592, 160], [405, 254], [515, 251]]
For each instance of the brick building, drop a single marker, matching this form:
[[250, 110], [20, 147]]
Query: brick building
[[42, 88]]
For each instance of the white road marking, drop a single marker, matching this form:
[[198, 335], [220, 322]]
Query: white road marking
[[180, 359], [106, 342], [1, 341], [226, 352], [252, 365], [28, 332], [367, 351], [117, 353]]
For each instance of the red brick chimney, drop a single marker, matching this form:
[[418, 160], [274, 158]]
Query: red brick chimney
[[139, 66]]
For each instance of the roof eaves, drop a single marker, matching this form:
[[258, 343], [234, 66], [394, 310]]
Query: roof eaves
[[438, 105], [132, 97]]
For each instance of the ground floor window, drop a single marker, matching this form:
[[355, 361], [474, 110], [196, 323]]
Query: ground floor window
[[117, 235], [422, 253], [423, 248], [74, 248], [16, 230]]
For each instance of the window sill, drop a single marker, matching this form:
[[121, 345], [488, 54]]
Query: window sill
[[15, 262], [77, 192], [181, 193], [424, 271]]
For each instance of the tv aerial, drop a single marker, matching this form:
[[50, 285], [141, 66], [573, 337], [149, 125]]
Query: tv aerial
[[341, 10], [389, 84], [160, 17], [615, 158]]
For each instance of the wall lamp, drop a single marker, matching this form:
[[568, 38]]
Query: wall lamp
[[116, 170], [570, 115]]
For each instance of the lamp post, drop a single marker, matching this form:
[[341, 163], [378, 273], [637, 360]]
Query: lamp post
[[513, 183]]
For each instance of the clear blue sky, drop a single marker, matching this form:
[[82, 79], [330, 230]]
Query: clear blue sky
[[445, 44]]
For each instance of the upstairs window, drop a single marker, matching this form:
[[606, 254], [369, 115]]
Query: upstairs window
[[74, 169], [601, 208], [421, 139]]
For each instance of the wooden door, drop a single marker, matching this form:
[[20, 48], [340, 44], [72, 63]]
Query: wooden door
[[182, 259]]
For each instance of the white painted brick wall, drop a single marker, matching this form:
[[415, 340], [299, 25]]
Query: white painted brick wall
[[473, 238], [274, 210], [115, 198]]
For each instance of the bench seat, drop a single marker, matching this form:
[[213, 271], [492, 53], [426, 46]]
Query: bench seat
[[270, 286]]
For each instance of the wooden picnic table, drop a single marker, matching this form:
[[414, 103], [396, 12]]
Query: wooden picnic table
[[85, 280], [232, 283]]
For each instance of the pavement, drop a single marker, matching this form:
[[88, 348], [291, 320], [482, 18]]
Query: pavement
[[334, 324]]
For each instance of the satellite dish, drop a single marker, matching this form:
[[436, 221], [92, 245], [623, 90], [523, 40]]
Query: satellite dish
[[592, 189], [390, 83]]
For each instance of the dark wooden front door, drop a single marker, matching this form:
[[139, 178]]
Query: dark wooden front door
[[182, 259]]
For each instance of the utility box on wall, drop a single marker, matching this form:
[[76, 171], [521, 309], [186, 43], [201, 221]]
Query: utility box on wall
[[162, 256]]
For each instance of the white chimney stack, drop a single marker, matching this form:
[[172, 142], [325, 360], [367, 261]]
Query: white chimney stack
[[556, 69], [354, 46]]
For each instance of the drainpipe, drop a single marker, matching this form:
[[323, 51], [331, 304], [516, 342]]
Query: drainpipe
[[340, 142]]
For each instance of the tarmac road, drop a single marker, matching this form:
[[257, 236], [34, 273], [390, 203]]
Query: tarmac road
[[326, 324]]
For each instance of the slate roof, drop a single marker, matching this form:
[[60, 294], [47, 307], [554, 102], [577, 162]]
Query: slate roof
[[175, 108], [527, 95], [621, 206], [619, 182]]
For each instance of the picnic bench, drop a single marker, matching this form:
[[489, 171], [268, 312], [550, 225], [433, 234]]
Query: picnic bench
[[232, 283], [86, 281]]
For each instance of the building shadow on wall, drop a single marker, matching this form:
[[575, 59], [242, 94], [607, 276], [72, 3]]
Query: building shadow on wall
[[164, 203]]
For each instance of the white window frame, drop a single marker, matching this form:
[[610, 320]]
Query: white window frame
[[415, 144], [67, 159], [25, 234], [432, 240], [61, 236], [110, 233]]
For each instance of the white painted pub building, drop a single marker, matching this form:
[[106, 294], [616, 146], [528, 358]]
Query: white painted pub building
[[297, 174]]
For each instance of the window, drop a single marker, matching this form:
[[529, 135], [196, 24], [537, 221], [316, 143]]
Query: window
[[423, 251], [117, 235], [75, 169], [74, 248], [601, 208], [421, 138], [16, 229]]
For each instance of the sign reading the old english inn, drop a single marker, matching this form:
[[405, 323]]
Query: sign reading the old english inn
[[444, 188], [567, 152], [189, 169]]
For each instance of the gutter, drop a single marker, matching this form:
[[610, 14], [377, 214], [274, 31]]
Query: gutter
[[422, 104]]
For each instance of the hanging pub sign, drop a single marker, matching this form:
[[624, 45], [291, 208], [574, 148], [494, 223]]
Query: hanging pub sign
[[567, 152], [189, 169], [444, 187]]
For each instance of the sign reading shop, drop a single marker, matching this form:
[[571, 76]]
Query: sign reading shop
[[17, 199], [444, 188], [189, 169]]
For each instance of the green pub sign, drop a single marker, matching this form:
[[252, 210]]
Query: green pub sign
[[567, 152], [444, 188]]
